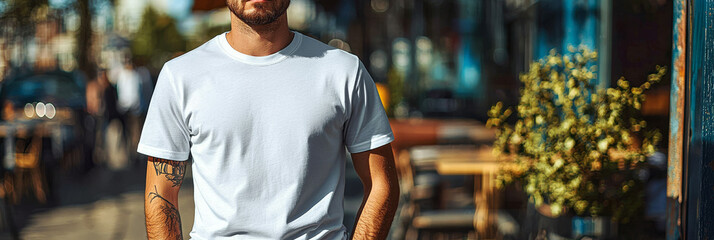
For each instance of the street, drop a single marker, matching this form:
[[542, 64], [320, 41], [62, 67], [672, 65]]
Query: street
[[104, 204]]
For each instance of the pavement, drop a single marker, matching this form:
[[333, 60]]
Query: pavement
[[106, 204]]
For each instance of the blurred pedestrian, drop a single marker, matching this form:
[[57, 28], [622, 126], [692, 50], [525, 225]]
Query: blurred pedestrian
[[93, 98], [8, 117], [147, 87], [109, 100], [129, 103], [267, 115], [110, 149], [128, 84]]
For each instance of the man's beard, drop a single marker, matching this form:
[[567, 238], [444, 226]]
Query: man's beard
[[264, 14]]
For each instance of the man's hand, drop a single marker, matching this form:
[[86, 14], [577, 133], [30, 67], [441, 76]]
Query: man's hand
[[163, 181], [381, 192]]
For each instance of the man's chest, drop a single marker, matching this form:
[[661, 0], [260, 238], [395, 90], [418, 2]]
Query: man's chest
[[245, 106]]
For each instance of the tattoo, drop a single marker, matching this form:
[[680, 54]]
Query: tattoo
[[172, 217], [172, 170]]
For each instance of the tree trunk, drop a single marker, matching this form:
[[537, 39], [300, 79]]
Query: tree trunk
[[84, 36]]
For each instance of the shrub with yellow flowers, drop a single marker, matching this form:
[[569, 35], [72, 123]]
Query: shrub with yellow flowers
[[576, 146]]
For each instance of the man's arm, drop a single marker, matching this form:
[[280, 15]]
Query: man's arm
[[163, 180], [381, 192]]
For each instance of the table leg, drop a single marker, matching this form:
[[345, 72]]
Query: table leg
[[491, 203], [486, 201], [486, 191], [480, 200]]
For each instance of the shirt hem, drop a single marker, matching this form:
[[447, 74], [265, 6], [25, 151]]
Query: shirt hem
[[373, 143], [161, 153]]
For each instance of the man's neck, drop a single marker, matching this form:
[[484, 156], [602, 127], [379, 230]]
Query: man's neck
[[259, 40]]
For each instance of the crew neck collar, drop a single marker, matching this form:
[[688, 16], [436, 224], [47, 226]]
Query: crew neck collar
[[260, 60]]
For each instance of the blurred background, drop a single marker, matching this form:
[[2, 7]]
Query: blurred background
[[76, 77]]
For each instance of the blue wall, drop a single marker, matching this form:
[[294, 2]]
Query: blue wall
[[561, 23], [699, 165]]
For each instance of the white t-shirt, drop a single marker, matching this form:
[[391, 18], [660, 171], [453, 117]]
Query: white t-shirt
[[267, 135], [128, 90]]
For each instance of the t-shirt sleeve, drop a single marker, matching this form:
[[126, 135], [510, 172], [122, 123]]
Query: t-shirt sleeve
[[165, 134], [367, 125]]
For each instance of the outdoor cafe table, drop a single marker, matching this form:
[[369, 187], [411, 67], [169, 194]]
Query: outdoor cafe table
[[27, 129], [420, 132], [484, 165]]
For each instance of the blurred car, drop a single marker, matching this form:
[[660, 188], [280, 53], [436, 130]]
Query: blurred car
[[51, 105]]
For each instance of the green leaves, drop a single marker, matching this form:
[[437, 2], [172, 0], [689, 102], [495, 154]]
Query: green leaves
[[577, 146]]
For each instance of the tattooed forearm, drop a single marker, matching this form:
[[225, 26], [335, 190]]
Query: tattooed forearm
[[163, 181], [169, 213], [172, 170]]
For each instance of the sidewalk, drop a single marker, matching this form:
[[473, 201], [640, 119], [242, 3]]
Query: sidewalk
[[110, 205], [101, 204], [120, 217]]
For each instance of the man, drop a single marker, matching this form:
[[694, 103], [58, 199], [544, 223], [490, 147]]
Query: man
[[266, 114]]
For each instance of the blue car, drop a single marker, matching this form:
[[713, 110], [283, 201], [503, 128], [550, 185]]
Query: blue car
[[43, 127]]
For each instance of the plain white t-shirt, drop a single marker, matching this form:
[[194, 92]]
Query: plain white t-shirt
[[269, 136], [128, 90]]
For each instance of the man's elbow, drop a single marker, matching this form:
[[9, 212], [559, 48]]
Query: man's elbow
[[386, 192], [388, 188]]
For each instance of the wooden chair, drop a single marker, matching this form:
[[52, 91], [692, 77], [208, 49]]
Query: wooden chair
[[28, 167], [426, 220], [445, 224]]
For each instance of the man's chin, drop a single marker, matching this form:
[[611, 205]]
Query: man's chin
[[259, 20], [261, 12]]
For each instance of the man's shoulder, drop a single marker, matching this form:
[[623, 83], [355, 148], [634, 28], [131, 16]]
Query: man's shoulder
[[315, 49], [204, 54]]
